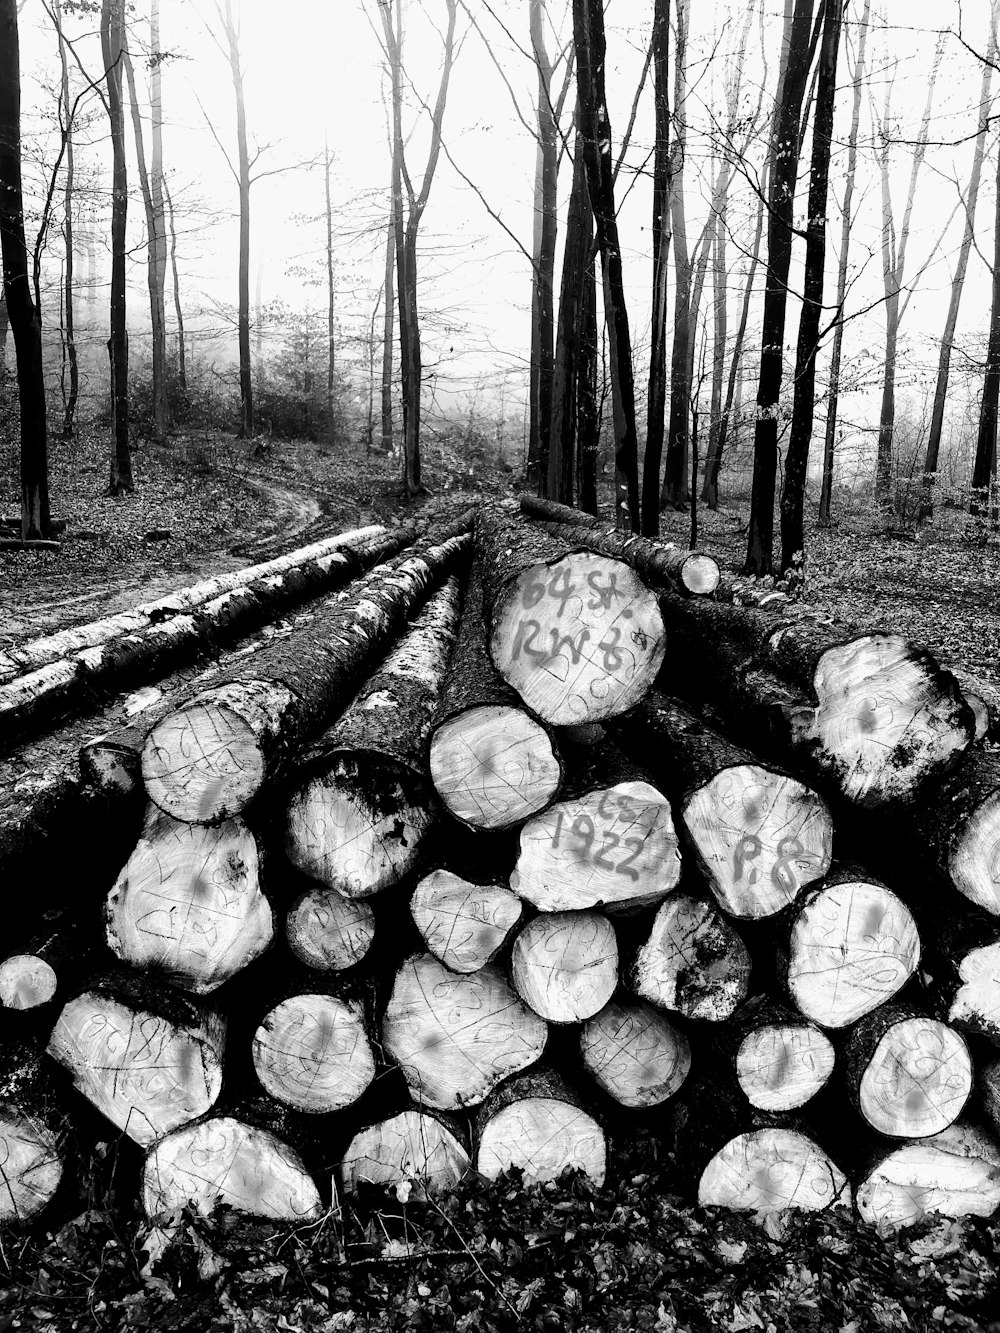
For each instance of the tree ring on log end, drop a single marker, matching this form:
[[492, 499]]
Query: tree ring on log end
[[974, 860], [411, 1146], [952, 1174], [312, 1052], [693, 962], [327, 931], [202, 762], [918, 1079], [30, 1164], [26, 981], [975, 1004], [463, 924], [580, 639], [565, 965], [768, 1170], [544, 1136], [781, 1067], [357, 827], [635, 1054], [493, 766]]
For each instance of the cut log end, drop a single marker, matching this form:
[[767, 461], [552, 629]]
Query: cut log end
[[693, 962], [202, 762], [974, 861], [635, 1054], [311, 1052], [329, 932], [762, 837], [952, 1174], [409, 1148], [493, 766], [463, 924], [565, 965], [543, 1137], [917, 1080], [769, 1170], [26, 982], [31, 1164], [358, 827], [579, 639], [223, 1161], [700, 574], [780, 1066]]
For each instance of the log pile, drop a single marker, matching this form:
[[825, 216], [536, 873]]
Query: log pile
[[522, 840]]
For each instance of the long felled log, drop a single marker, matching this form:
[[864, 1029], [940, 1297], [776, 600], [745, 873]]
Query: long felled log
[[188, 903], [419, 1148], [635, 1054], [883, 719], [311, 1051], [609, 843], [492, 763], [464, 925], [693, 961], [207, 759], [75, 681], [779, 1059], [48, 961], [955, 1173], [32, 1132], [852, 945], [456, 1037], [327, 931], [908, 1075], [577, 634], [222, 1160], [758, 834], [535, 1123], [565, 965], [692, 573], [356, 820], [149, 1058]]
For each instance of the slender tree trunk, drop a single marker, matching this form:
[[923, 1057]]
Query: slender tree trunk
[[389, 293], [71, 397], [331, 327], [675, 492], [178, 309], [113, 49], [803, 401], [588, 428], [158, 236], [984, 466], [544, 250], [958, 280], [781, 191], [4, 326], [656, 400], [247, 427], [588, 33], [24, 317], [829, 442], [370, 425]]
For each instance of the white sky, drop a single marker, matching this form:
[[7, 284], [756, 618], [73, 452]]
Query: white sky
[[313, 71]]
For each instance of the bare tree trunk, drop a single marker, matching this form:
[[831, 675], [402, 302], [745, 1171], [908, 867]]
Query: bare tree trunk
[[178, 309], [588, 429], [544, 252], [247, 428], [675, 491], [985, 463], [69, 412], [958, 280], [389, 291], [781, 191], [829, 443], [113, 49], [4, 326], [158, 237], [331, 327], [656, 400], [588, 33]]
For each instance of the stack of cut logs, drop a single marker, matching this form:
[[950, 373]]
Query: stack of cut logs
[[533, 833]]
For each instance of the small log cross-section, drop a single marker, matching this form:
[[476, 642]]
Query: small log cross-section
[[48, 960], [220, 1160], [463, 924], [908, 1075], [409, 1147], [492, 763], [578, 635], [327, 931], [693, 962], [781, 1061], [768, 1170], [635, 1054], [31, 1165], [758, 834], [148, 1059], [208, 758], [952, 1174], [357, 820], [853, 944], [565, 965], [615, 847], [188, 903], [456, 1037], [312, 1052], [536, 1124], [962, 820]]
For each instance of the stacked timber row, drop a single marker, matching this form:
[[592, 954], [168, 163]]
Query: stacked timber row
[[524, 839]]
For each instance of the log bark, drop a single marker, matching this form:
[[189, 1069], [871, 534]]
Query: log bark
[[221, 1160], [984, 700], [779, 1059], [955, 1173], [576, 634], [492, 763], [759, 836], [565, 965], [610, 844], [693, 963], [689, 573], [464, 925], [188, 904], [908, 1076], [356, 821], [635, 1054], [208, 759], [535, 1124], [328, 932], [311, 1052], [852, 945], [413, 1147], [147, 1057], [456, 1037]]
